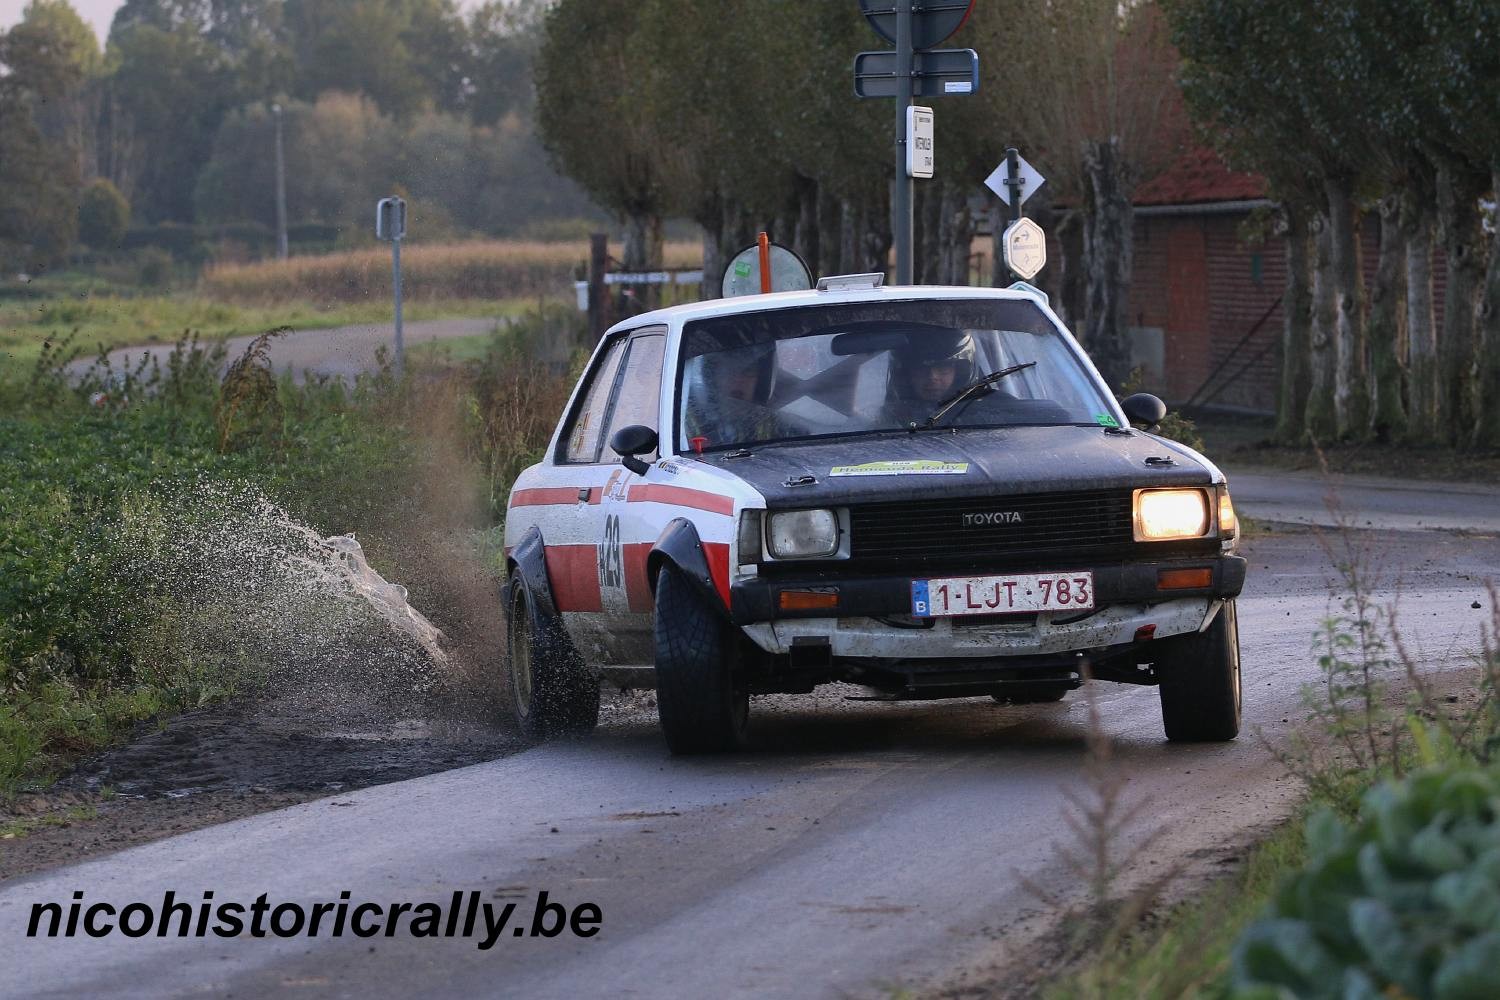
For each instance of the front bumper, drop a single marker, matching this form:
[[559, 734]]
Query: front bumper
[[872, 619]]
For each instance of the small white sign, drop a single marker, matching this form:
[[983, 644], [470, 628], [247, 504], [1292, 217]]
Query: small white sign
[[918, 142], [1025, 248], [1030, 180], [958, 86]]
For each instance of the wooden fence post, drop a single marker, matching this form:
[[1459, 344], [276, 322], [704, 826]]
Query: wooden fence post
[[600, 313]]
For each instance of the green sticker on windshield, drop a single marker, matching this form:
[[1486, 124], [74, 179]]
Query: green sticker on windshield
[[1105, 420]]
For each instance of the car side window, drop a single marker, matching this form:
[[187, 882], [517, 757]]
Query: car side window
[[582, 437], [639, 392]]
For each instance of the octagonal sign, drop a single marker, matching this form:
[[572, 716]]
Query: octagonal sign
[[1025, 248]]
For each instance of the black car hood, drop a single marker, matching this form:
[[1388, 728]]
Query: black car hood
[[1001, 461]]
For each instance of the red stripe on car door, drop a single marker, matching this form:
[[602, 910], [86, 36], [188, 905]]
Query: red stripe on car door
[[549, 496], [637, 585], [681, 496], [573, 571]]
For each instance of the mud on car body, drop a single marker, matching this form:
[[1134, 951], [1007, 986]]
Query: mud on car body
[[926, 491]]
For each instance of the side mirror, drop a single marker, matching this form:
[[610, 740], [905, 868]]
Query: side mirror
[[1144, 409], [628, 442]]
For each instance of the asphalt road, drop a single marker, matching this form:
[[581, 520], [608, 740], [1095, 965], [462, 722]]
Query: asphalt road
[[862, 848]]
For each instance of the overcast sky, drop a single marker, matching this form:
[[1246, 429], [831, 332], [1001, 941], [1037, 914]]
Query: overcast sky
[[97, 12]]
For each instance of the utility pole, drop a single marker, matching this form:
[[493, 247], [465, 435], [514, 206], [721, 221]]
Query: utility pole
[[281, 244]]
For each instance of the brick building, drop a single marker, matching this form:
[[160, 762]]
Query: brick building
[[1204, 302]]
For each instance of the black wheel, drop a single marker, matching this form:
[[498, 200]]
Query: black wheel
[[1031, 694], [702, 698], [1200, 681], [552, 691]]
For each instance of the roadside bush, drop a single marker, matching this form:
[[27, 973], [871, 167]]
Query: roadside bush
[[153, 268], [1405, 902]]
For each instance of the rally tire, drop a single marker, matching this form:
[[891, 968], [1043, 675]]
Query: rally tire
[[551, 690], [1031, 694], [702, 700], [1200, 681]]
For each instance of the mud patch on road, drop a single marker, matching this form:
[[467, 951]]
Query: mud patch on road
[[299, 740]]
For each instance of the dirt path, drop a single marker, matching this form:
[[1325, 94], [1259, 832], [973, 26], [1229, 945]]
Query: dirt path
[[342, 351]]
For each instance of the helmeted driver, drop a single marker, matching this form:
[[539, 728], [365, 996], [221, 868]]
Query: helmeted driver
[[928, 370], [727, 400]]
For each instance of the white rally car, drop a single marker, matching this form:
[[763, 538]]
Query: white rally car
[[926, 491]]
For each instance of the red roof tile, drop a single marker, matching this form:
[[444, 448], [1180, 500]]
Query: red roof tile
[[1199, 176]]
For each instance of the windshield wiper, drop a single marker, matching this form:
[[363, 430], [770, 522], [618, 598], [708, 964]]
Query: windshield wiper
[[973, 387]]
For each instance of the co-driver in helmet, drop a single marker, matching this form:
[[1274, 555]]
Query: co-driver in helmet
[[728, 396]]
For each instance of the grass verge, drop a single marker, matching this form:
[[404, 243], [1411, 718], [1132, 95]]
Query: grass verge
[[1185, 951]]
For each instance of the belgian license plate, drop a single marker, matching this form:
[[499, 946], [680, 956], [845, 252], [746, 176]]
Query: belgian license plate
[[998, 595]]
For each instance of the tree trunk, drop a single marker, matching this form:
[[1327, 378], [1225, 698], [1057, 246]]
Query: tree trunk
[[876, 238], [1071, 270], [1108, 249], [643, 252], [829, 233], [960, 235], [1387, 318], [1487, 360], [1351, 393], [1421, 322], [806, 243], [1458, 228], [999, 276], [713, 260], [1322, 423], [1049, 280], [850, 261], [943, 245], [1296, 330]]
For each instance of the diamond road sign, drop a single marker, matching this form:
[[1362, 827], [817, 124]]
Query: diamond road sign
[[1030, 180], [1025, 248], [936, 73]]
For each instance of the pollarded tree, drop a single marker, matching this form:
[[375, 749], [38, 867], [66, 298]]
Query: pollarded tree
[[597, 122]]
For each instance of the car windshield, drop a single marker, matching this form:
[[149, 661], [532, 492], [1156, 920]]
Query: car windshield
[[869, 367]]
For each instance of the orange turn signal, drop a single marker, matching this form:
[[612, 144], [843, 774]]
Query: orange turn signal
[[809, 600], [1184, 579]]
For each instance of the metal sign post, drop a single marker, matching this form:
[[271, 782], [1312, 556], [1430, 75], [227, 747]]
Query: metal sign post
[[915, 26], [390, 224], [901, 208], [1014, 181]]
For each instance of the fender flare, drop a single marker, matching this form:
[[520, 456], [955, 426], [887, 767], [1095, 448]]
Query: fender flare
[[529, 557], [680, 546]]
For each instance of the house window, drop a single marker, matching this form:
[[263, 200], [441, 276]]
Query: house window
[[1257, 268]]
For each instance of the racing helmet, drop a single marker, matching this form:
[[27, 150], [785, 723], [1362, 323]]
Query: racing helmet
[[720, 367], [931, 347]]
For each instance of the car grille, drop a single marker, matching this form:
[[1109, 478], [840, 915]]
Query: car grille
[[1068, 525]]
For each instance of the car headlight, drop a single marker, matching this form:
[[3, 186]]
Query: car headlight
[[802, 534], [1162, 515]]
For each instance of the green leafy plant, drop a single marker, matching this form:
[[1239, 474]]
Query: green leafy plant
[[1405, 902]]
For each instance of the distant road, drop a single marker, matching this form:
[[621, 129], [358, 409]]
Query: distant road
[[335, 351], [1379, 502]]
